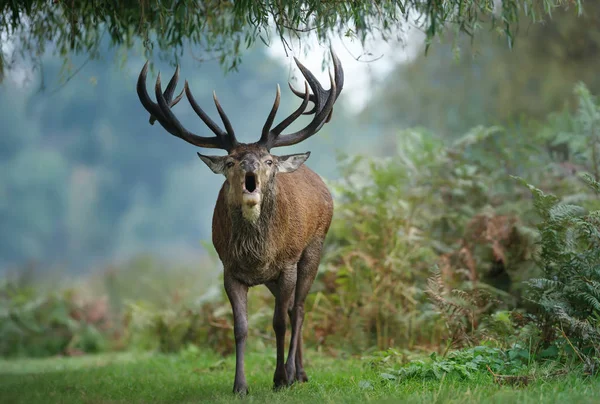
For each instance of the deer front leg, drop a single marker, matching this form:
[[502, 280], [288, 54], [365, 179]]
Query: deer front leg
[[237, 293], [286, 286]]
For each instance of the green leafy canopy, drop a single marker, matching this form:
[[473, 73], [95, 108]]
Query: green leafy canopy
[[220, 28]]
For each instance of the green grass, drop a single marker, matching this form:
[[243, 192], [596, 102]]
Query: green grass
[[205, 377]]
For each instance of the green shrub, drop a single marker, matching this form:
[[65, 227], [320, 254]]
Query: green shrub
[[35, 323], [206, 322], [568, 293], [450, 205], [397, 217], [463, 364]]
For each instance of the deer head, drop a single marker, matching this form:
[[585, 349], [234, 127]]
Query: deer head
[[249, 169]]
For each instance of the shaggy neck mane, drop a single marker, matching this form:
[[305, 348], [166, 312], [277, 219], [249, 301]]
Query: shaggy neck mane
[[249, 241]]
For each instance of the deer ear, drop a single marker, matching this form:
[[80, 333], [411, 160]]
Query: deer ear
[[291, 162], [215, 163]]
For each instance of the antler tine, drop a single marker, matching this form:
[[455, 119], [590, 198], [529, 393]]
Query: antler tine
[[167, 113], [224, 118], [288, 121], [313, 127], [322, 110], [148, 104], [311, 97], [264, 137], [161, 112], [171, 104], [339, 78], [171, 86], [205, 118], [168, 94], [269, 134]]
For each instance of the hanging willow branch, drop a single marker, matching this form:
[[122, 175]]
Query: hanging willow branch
[[222, 27]]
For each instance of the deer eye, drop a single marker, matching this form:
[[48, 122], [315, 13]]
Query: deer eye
[[229, 164], [269, 162]]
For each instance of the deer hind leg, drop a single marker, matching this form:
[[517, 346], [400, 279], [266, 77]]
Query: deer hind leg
[[297, 374], [307, 271], [300, 373], [283, 291]]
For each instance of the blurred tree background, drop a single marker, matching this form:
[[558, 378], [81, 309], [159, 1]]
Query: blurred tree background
[[465, 81], [465, 188], [86, 178], [78, 188]]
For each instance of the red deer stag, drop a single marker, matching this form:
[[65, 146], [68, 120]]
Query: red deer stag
[[271, 215]]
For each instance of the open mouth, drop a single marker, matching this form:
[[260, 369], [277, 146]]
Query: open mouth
[[250, 183]]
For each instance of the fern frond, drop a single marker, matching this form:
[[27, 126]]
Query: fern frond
[[544, 284], [591, 182], [583, 328], [590, 299], [562, 211], [593, 288], [542, 202]]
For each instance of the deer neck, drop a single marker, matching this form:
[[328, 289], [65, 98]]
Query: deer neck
[[250, 230]]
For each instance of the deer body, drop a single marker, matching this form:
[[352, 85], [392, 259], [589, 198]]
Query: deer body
[[272, 213], [300, 212]]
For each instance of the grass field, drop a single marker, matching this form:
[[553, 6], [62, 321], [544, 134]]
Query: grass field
[[205, 377]]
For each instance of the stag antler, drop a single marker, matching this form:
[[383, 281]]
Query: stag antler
[[323, 107], [162, 113]]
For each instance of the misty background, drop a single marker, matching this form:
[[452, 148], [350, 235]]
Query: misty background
[[86, 182]]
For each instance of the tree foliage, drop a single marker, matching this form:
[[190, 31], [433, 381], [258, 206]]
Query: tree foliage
[[221, 28], [464, 81]]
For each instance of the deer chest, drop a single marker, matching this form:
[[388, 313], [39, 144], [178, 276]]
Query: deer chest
[[252, 272]]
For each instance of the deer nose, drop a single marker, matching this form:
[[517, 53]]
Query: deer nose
[[250, 166]]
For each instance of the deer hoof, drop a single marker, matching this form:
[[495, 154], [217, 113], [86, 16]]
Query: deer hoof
[[280, 384], [291, 372], [301, 376], [280, 380], [240, 390]]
